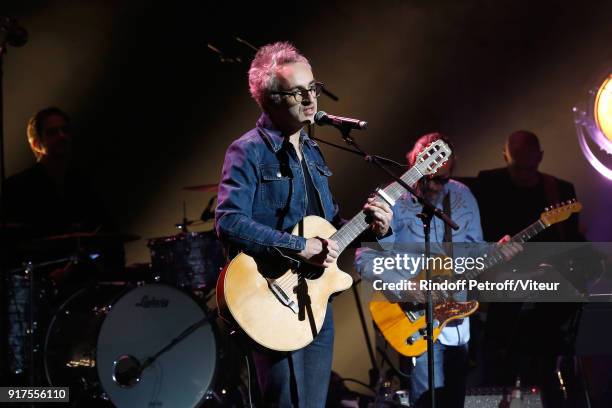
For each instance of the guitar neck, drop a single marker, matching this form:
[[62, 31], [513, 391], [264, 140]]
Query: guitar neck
[[494, 256], [356, 225]]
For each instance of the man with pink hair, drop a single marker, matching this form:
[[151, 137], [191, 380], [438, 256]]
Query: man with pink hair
[[274, 176]]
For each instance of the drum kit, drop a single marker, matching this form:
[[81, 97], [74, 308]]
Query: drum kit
[[145, 338]]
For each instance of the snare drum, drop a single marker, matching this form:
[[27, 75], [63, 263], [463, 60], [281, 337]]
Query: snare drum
[[191, 260], [100, 338]]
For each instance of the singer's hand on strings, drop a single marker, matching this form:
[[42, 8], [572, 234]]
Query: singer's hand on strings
[[381, 215], [320, 251]]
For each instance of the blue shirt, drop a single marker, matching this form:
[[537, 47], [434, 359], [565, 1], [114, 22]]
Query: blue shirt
[[407, 228]]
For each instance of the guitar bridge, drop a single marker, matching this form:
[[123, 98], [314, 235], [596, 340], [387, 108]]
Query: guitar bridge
[[283, 297]]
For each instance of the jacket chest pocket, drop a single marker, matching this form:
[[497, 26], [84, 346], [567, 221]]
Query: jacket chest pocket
[[321, 176], [323, 170], [276, 184]]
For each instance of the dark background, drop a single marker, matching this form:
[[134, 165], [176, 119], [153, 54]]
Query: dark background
[[155, 109]]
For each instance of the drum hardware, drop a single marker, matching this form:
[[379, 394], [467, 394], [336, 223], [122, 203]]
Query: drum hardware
[[185, 223], [209, 213], [28, 266], [182, 226], [127, 370], [80, 240], [29, 271], [103, 369]]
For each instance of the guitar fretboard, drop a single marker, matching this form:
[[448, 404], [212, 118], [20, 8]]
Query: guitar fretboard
[[356, 225], [494, 256]]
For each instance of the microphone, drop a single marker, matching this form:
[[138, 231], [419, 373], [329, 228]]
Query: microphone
[[12, 32], [322, 118]]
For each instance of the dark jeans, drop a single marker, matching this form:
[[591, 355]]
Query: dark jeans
[[450, 370], [299, 378]]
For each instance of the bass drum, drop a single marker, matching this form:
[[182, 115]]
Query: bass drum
[[102, 335]]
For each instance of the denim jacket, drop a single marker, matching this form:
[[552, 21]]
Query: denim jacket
[[262, 193]]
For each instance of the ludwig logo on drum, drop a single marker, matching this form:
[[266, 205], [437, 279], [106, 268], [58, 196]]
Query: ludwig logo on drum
[[148, 302]]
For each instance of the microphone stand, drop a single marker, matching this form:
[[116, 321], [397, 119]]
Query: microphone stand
[[428, 212], [11, 34], [4, 44], [4, 371]]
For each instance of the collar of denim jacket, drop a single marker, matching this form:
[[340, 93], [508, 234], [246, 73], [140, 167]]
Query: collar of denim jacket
[[274, 136]]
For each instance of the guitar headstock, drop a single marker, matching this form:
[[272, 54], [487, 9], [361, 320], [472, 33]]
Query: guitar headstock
[[432, 157], [560, 212]]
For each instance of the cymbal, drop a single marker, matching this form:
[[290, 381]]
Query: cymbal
[[204, 188], [77, 240], [91, 236]]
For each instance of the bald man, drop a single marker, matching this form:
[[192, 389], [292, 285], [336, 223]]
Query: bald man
[[514, 196], [510, 199]]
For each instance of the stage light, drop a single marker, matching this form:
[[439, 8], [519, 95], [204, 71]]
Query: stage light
[[603, 107], [595, 124]]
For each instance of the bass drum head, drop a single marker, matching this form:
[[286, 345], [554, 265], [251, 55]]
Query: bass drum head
[[70, 343], [142, 322]]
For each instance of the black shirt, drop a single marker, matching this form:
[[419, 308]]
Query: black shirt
[[313, 206], [506, 208], [33, 198]]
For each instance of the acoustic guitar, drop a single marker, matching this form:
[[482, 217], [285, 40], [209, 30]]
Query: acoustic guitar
[[284, 309]]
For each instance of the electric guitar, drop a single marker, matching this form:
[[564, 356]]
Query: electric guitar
[[284, 309], [403, 324]]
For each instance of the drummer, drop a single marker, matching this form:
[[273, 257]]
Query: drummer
[[52, 197]]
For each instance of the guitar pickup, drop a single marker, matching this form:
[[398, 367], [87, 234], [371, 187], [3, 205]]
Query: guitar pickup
[[412, 316], [282, 297], [423, 330], [436, 324], [412, 339]]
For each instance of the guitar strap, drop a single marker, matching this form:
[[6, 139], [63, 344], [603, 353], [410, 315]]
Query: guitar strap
[[448, 232]]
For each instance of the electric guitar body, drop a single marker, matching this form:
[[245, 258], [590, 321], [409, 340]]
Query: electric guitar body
[[403, 325]]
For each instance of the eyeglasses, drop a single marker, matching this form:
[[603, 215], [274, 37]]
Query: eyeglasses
[[300, 94], [442, 180]]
